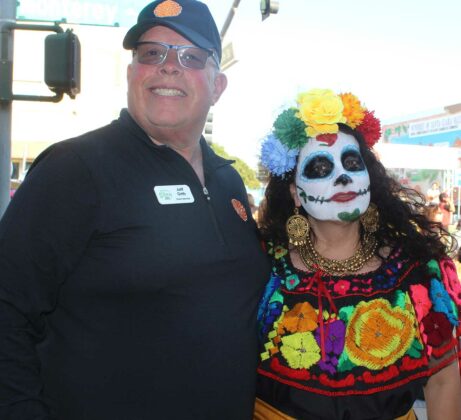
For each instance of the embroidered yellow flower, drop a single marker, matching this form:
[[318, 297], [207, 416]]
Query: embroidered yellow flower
[[321, 110], [300, 350], [301, 318], [378, 334], [353, 110]]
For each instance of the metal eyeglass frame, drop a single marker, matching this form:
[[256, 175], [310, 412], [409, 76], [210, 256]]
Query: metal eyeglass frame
[[211, 53]]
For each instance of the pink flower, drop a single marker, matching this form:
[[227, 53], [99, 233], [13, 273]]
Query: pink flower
[[450, 279], [420, 296], [341, 287]]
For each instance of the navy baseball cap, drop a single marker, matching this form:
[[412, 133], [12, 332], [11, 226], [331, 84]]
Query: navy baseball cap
[[189, 18]]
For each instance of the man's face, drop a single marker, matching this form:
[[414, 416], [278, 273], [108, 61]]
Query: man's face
[[167, 96], [332, 182]]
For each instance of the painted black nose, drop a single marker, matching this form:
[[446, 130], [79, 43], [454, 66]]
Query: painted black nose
[[343, 180]]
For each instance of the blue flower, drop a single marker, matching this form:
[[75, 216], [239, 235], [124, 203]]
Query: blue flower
[[272, 286], [442, 301], [276, 157]]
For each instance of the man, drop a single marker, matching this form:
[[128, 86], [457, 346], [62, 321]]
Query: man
[[130, 268], [433, 193], [446, 209]]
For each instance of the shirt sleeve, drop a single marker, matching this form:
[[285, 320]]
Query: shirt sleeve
[[437, 304], [43, 234]]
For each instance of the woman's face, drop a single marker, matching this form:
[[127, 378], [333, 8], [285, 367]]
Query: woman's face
[[332, 181]]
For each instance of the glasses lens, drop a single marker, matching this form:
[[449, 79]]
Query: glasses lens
[[193, 58], [151, 53]]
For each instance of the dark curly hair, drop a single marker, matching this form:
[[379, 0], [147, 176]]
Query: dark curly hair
[[401, 211]]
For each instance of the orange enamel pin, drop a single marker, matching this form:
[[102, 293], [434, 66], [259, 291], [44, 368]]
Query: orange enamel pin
[[240, 209], [168, 8]]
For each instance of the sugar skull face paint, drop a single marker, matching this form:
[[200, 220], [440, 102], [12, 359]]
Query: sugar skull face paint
[[332, 181]]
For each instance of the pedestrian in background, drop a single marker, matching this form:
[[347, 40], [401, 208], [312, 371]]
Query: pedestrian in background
[[447, 209], [433, 193], [130, 267]]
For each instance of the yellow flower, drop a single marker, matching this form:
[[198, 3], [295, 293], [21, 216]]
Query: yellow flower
[[353, 110], [378, 334], [300, 350], [321, 110]]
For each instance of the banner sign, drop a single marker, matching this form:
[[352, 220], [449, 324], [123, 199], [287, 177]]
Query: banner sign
[[434, 126], [87, 12]]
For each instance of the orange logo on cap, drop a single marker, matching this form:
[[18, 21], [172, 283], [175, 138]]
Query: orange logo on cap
[[168, 8], [240, 209]]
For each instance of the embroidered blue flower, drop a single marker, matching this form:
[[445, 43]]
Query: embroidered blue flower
[[442, 301], [388, 278], [271, 287], [276, 157]]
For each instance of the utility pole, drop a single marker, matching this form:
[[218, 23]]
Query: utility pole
[[229, 18], [7, 17]]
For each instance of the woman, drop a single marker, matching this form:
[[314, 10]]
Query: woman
[[362, 305]]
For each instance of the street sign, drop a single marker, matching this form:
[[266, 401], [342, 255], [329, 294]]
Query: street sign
[[87, 12], [228, 56]]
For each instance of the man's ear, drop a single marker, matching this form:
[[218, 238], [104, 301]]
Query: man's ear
[[294, 195], [220, 84]]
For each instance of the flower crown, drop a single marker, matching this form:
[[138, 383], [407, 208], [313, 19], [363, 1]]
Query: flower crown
[[317, 116]]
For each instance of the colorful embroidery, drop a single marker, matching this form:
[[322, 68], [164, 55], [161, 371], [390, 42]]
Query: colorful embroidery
[[301, 318], [378, 334], [334, 345], [442, 302], [437, 329], [300, 350], [356, 334]]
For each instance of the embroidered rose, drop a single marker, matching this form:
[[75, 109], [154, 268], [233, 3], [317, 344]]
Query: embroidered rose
[[437, 329], [420, 296], [378, 334], [300, 350], [450, 279]]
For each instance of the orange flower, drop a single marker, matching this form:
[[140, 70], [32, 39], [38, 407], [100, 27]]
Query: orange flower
[[301, 318], [378, 334], [353, 110]]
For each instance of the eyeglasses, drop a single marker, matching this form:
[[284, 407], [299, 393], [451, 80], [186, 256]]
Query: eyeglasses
[[188, 56]]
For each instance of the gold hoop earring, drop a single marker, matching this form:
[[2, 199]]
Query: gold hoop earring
[[297, 227], [370, 219]]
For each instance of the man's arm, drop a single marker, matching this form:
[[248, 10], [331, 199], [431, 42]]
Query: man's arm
[[42, 235]]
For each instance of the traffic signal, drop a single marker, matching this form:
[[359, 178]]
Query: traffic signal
[[269, 7], [62, 63]]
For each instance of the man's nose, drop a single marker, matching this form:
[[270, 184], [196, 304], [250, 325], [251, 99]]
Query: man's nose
[[343, 180]]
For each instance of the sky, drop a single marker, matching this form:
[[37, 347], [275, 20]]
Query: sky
[[400, 57]]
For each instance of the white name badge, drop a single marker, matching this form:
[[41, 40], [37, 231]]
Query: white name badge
[[173, 194]]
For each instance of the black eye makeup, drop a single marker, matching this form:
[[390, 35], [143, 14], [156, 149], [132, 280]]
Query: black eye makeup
[[320, 165], [352, 160]]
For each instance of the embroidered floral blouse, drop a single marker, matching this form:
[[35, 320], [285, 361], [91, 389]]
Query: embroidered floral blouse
[[378, 335]]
